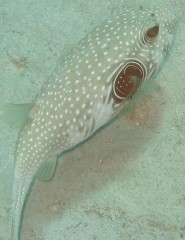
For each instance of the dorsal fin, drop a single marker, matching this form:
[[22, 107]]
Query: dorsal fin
[[15, 114]]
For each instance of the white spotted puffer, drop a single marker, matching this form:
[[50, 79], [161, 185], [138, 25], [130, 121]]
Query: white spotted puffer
[[87, 90]]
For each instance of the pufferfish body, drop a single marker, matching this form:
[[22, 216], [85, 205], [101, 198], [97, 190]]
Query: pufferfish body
[[91, 86]]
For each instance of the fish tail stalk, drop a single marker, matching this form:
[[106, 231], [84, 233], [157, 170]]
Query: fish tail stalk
[[20, 191]]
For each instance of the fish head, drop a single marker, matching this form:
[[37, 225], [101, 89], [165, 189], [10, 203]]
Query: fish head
[[147, 35]]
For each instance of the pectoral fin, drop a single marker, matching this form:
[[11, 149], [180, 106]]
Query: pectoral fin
[[47, 170]]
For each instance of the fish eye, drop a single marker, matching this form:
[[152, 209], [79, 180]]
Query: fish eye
[[133, 70], [151, 34], [127, 81]]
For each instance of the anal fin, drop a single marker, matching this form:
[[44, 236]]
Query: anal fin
[[47, 170]]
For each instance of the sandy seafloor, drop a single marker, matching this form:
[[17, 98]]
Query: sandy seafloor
[[128, 181]]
